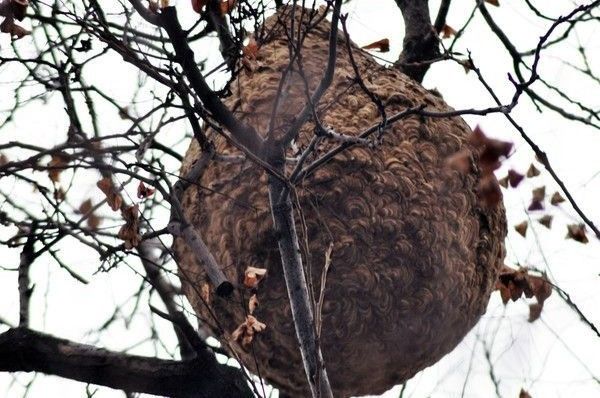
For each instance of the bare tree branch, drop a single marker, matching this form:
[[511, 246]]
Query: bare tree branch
[[420, 39], [26, 350], [297, 288]]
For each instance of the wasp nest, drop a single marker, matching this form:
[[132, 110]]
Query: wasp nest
[[415, 249]]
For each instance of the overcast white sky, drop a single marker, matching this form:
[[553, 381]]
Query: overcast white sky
[[556, 356]]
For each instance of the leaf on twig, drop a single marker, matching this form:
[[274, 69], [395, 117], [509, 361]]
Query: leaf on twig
[[493, 2], [252, 304], [503, 182], [56, 164], [556, 199], [513, 284], [467, 64], [521, 228], [227, 6], [86, 209], [523, 393], [251, 49], [197, 5], [130, 231], [15, 31], [205, 293], [143, 191], [537, 199], [253, 276], [535, 310], [3, 159], [447, 31], [249, 52], [514, 178], [113, 198], [244, 334], [539, 193], [546, 221], [577, 233], [59, 194], [491, 150], [382, 45], [532, 171]]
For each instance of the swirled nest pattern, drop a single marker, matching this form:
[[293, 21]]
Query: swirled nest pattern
[[415, 252]]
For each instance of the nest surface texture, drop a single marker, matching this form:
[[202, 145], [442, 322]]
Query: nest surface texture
[[415, 251]]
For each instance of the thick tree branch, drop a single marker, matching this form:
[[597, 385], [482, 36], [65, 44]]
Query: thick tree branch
[[297, 288], [243, 133], [420, 39], [27, 258], [440, 20], [227, 45], [166, 292], [26, 350]]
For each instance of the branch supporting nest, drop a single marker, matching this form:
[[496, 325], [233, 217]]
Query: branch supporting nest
[[296, 284]]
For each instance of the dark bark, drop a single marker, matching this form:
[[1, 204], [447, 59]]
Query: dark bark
[[241, 132], [25, 350], [421, 43]]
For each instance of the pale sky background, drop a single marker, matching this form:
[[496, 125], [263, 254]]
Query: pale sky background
[[556, 356]]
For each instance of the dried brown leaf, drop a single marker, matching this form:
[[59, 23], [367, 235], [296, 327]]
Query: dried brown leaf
[[143, 191], [493, 2], [556, 199], [205, 293], [535, 205], [15, 30], [85, 207], [57, 162], [503, 182], [546, 221], [382, 45], [252, 304], [197, 5], [130, 231], [18, 8], [521, 228], [577, 232], [514, 178], [447, 31], [244, 333], [491, 150], [113, 198], [535, 310], [59, 194], [227, 6], [253, 276], [532, 171], [539, 194]]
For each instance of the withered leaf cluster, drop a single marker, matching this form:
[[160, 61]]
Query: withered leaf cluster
[[13, 10], [113, 198], [86, 209], [491, 151], [244, 333], [513, 284], [130, 231]]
